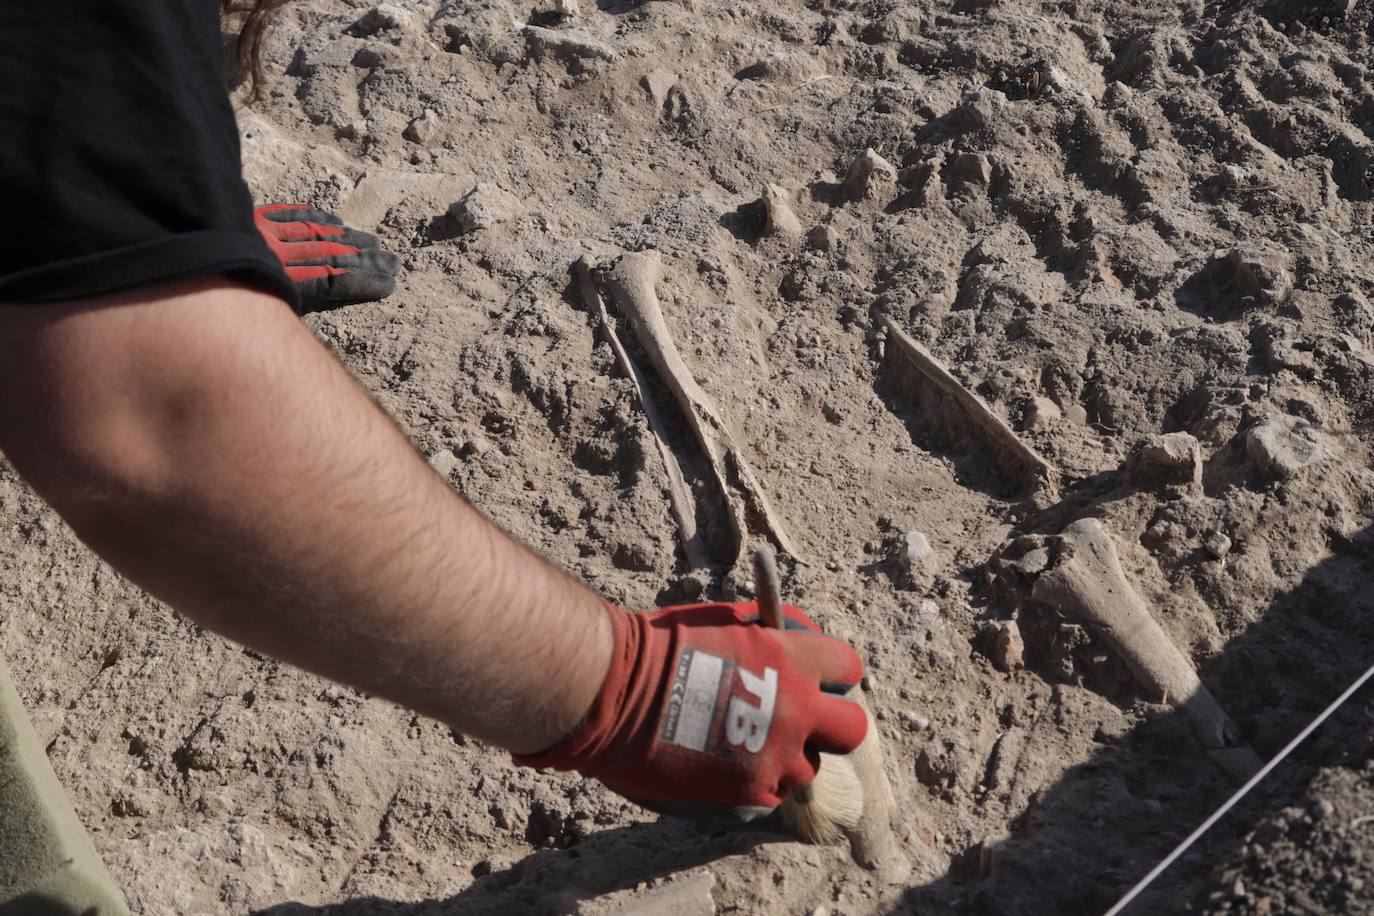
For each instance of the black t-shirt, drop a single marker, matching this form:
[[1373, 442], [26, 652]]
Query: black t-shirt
[[119, 157]]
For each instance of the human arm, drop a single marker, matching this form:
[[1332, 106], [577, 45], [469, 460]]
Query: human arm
[[203, 442]]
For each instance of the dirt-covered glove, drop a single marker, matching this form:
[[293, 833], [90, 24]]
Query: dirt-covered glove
[[330, 264], [703, 706]]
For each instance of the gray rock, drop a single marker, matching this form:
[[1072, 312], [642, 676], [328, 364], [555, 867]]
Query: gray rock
[[1217, 544], [1259, 275], [1282, 447], [973, 168], [423, 129], [483, 207], [915, 551], [1171, 457]]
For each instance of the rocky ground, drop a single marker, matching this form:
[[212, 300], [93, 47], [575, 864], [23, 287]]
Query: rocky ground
[[1110, 220]]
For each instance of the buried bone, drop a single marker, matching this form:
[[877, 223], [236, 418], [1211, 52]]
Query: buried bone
[[941, 397], [1083, 579], [679, 494], [631, 279]]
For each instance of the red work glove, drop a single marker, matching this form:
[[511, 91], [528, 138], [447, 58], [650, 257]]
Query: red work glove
[[704, 706], [330, 264]]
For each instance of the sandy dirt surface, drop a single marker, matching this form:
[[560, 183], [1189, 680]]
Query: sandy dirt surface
[[1111, 220]]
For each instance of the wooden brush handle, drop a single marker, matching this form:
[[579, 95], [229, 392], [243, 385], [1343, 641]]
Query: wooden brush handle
[[768, 588]]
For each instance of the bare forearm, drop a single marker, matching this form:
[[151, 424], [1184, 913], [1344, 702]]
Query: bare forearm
[[252, 485]]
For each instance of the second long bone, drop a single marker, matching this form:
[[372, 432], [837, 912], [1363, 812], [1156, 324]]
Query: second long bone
[[631, 280]]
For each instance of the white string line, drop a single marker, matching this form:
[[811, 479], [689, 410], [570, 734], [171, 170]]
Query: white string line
[[1181, 848]]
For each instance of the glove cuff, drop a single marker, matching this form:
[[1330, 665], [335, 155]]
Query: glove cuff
[[584, 747]]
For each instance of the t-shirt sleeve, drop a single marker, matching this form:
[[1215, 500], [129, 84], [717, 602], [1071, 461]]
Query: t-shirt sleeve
[[119, 157]]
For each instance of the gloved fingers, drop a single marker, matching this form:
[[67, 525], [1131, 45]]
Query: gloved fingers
[[800, 772], [840, 726], [834, 663], [332, 287], [297, 213], [304, 252], [348, 238], [796, 619], [367, 260]]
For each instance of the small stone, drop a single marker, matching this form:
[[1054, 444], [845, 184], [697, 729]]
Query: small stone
[[483, 207], [1217, 544], [422, 129], [1323, 808], [822, 238], [1042, 412], [1238, 889], [868, 175], [782, 220], [568, 9], [1008, 649], [915, 550], [1262, 276], [973, 167], [1234, 176], [1173, 457], [1283, 446], [658, 83], [693, 584], [444, 462], [914, 721]]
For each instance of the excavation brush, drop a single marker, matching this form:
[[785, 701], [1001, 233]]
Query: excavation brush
[[850, 797]]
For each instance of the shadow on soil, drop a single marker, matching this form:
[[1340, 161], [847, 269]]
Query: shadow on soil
[[1083, 842]]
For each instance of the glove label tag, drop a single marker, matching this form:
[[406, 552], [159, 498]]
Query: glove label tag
[[698, 686], [708, 706]]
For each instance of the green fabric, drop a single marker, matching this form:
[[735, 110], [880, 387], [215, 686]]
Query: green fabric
[[48, 866]]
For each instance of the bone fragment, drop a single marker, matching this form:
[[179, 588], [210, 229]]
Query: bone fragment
[[943, 398], [782, 221], [679, 494], [631, 279], [873, 843], [1085, 581]]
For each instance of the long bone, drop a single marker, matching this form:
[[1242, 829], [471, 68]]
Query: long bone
[[1084, 580], [679, 494], [631, 279]]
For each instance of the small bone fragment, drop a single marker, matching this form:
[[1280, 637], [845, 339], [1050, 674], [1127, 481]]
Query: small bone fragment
[[938, 391], [782, 220], [873, 843], [631, 280], [679, 494], [1085, 581]]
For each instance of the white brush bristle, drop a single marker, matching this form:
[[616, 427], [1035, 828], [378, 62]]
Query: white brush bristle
[[832, 804]]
